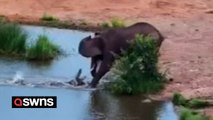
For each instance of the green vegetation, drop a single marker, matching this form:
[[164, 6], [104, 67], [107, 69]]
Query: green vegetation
[[47, 17], [197, 103], [12, 39], [2, 18], [117, 23], [105, 25], [114, 23], [48, 20], [136, 71], [43, 49], [179, 100], [13, 42], [188, 114]]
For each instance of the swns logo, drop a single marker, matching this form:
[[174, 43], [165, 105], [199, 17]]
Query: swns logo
[[34, 101]]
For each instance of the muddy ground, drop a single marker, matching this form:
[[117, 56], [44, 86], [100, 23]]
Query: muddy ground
[[187, 52]]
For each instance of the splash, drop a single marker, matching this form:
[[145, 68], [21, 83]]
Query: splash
[[38, 82]]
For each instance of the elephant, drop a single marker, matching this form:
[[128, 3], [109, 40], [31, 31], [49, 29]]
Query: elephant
[[103, 45]]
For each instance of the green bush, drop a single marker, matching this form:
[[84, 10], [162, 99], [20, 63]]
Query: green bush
[[47, 17], [12, 39], [43, 49], [136, 71]]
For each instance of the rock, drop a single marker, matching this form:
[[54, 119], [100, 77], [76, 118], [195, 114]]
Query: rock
[[146, 101]]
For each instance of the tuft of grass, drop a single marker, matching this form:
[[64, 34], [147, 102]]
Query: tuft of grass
[[113, 23], [179, 100], [136, 71], [43, 49], [47, 17], [187, 114], [12, 39], [117, 23], [197, 103], [105, 25], [2, 18]]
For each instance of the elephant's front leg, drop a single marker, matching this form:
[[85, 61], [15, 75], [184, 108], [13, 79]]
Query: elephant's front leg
[[93, 66], [104, 68]]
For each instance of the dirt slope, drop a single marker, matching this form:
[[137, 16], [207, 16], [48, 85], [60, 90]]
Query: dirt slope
[[187, 52]]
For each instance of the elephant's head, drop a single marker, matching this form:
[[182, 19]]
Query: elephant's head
[[90, 47]]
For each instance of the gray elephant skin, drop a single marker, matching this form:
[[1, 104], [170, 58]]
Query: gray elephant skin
[[102, 47]]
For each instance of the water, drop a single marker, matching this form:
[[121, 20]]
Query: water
[[63, 68], [72, 104]]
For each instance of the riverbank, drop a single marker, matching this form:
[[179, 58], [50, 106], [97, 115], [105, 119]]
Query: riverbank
[[186, 52]]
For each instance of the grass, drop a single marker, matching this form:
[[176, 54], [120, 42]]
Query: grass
[[117, 23], [43, 49], [2, 18], [197, 103], [105, 25], [114, 23], [188, 114], [12, 39], [179, 100], [13, 42], [47, 17], [136, 71]]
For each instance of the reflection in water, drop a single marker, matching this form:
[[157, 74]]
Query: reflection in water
[[84, 105], [106, 106]]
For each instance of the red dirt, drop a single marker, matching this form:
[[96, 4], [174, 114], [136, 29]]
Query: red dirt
[[187, 53]]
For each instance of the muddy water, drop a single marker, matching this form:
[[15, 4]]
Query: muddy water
[[72, 104]]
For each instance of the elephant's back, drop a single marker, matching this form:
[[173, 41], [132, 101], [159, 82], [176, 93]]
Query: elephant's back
[[144, 29], [117, 39]]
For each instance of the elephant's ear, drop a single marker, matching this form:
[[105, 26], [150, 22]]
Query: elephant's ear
[[94, 52], [91, 47], [97, 44]]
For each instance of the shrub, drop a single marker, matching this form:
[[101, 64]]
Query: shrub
[[136, 71], [12, 39], [43, 49], [47, 17]]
